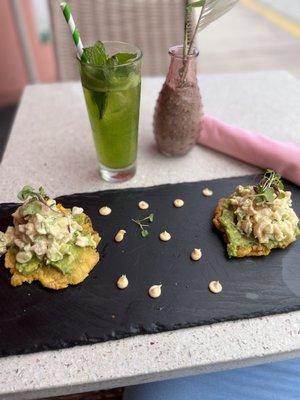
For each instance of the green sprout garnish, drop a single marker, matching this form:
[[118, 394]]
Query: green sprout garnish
[[139, 222], [28, 192], [40, 195], [269, 185]]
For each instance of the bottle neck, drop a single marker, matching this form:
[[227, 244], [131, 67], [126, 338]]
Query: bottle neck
[[182, 71]]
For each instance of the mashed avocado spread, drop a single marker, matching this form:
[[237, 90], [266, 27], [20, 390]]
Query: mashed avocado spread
[[45, 234]]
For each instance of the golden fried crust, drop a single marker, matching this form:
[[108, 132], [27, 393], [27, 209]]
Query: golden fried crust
[[85, 260], [254, 250]]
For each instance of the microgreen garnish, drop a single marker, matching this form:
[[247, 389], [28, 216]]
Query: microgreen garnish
[[28, 191], [144, 232], [269, 185], [139, 222], [151, 217]]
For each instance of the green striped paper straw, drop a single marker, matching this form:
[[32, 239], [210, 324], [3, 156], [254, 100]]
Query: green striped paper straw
[[66, 9]]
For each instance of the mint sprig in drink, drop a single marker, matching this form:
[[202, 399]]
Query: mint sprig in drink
[[111, 80]]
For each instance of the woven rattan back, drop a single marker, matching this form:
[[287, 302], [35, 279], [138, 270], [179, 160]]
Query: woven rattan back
[[153, 25]]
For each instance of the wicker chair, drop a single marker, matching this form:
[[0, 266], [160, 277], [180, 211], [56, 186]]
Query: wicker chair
[[153, 25]]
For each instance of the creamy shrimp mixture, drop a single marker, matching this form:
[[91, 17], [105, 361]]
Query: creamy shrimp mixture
[[275, 221]]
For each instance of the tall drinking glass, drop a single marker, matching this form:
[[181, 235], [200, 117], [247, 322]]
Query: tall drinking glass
[[112, 96]]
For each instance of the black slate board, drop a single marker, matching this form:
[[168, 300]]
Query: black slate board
[[33, 318]]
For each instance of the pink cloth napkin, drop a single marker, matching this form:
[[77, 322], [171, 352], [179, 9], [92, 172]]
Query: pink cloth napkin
[[251, 147]]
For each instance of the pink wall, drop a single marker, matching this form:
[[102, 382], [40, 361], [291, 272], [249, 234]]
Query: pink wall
[[13, 75], [43, 52]]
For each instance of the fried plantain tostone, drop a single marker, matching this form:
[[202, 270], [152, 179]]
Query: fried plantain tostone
[[86, 258], [257, 249]]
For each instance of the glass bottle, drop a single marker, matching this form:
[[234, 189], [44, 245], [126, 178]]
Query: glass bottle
[[178, 112]]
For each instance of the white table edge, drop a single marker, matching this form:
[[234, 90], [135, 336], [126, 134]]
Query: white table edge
[[198, 342]]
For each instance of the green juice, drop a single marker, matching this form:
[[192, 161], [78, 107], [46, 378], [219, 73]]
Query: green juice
[[114, 118], [111, 81]]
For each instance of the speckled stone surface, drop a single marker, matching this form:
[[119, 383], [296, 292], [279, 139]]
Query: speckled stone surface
[[51, 145]]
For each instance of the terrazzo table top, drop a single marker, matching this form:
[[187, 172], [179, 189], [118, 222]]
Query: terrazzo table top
[[51, 145]]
